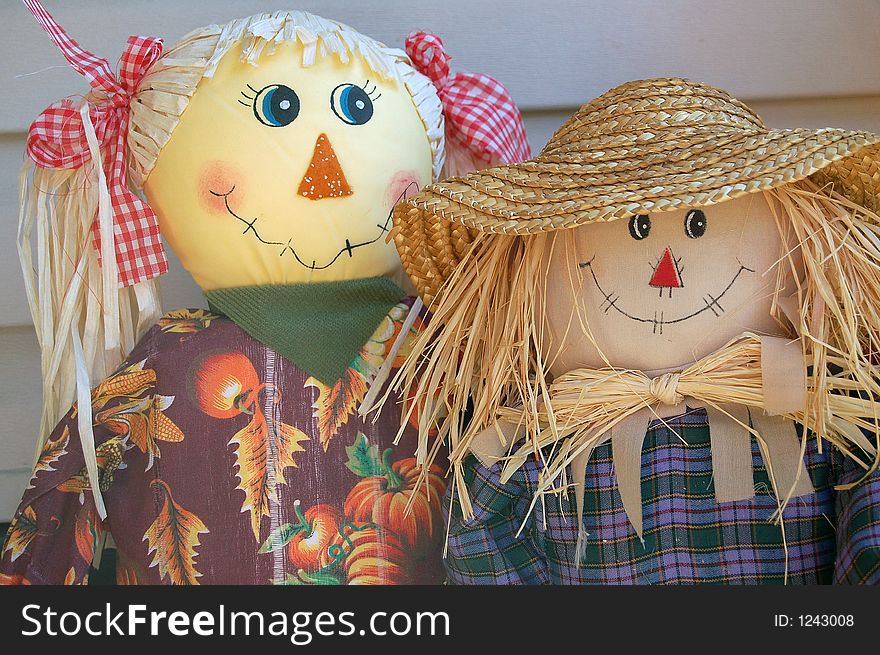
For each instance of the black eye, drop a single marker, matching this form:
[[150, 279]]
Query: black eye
[[352, 104], [276, 105], [695, 224], [639, 226]]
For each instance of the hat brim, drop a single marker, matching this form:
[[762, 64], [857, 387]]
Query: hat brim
[[619, 178]]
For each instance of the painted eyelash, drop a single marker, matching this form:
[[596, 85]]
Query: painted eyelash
[[250, 99], [370, 93]]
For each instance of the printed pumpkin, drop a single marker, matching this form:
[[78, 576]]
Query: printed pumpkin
[[373, 556], [388, 488]]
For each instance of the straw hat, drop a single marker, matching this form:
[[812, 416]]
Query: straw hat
[[643, 147]]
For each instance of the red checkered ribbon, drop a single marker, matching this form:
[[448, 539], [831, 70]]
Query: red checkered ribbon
[[479, 111], [57, 139]]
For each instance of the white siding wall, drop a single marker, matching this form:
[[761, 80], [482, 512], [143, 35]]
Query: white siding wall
[[797, 62]]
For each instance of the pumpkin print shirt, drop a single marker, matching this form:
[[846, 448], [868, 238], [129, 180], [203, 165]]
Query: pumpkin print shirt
[[222, 462]]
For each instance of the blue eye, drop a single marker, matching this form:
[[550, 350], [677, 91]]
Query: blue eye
[[352, 104], [276, 105]]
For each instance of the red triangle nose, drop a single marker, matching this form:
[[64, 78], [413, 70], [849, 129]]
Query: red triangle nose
[[666, 274]]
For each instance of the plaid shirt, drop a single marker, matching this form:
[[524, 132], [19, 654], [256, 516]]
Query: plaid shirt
[[689, 538]]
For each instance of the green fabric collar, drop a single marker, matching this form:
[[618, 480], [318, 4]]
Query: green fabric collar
[[319, 327]]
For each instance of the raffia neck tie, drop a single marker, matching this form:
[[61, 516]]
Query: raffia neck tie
[[780, 387]]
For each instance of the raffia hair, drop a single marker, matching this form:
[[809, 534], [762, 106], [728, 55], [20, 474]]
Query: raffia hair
[[167, 87], [488, 345]]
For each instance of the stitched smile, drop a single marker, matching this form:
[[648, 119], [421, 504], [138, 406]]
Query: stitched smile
[[711, 302], [250, 226]]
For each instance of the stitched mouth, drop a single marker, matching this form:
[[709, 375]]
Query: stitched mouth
[[287, 248], [711, 301]]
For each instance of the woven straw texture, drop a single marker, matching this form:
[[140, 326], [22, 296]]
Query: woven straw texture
[[643, 147]]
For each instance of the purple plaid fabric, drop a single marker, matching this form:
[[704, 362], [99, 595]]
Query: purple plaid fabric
[[689, 538]]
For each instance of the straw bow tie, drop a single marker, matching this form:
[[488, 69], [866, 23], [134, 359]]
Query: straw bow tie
[[665, 389], [752, 386]]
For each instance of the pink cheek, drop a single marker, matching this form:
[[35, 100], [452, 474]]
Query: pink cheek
[[216, 180], [403, 185]]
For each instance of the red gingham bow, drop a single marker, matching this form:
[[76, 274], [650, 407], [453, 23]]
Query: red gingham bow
[[479, 111], [57, 139]]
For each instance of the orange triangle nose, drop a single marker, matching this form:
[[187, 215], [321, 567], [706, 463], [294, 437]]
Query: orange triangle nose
[[324, 177], [666, 274]]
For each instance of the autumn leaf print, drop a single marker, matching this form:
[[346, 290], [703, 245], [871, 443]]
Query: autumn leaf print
[[260, 446], [88, 532], [110, 456], [127, 572], [186, 321], [287, 443], [145, 422], [335, 404], [364, 459], [71, 579], [173, 538], [226, 385], [51, 453], [21, 532]]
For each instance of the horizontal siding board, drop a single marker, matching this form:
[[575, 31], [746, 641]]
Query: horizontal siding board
[[551, 54], [20, 399], [13, 303], [12, 484]]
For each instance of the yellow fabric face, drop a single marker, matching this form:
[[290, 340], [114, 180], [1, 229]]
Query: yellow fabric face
[[663, 290], [280, 173]]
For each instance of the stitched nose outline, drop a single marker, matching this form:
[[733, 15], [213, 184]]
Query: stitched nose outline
[[667, 274]]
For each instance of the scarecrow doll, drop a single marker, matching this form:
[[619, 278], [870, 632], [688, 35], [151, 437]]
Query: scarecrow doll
[[654, 349], [225, 445]]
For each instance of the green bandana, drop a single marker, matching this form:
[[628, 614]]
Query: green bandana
[[319, 327]]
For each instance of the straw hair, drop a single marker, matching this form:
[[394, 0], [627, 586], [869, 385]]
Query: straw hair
[[487, 343], [166, 89], [66, 285], [644, 147]]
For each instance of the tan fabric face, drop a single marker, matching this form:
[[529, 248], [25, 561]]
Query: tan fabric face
[[710, 289]]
